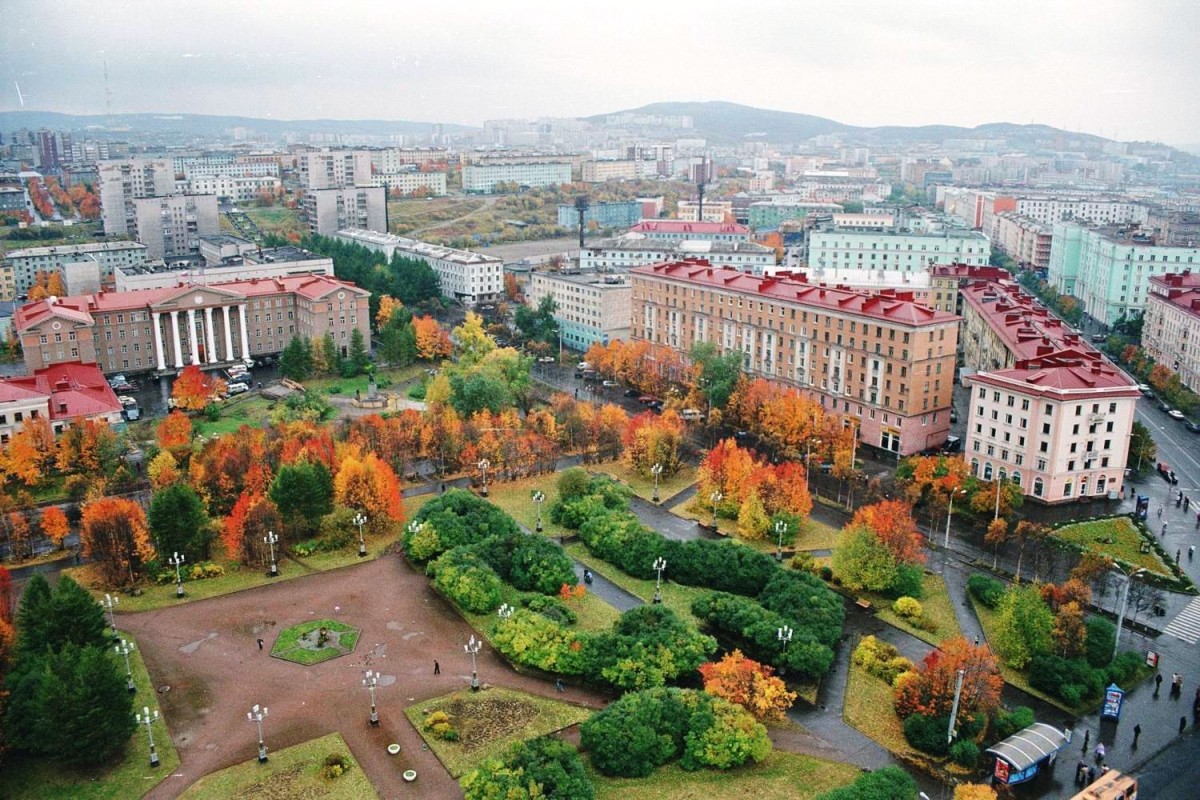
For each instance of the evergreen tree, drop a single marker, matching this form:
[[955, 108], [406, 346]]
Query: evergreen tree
[[359, 359], [333, 355], [75, 618], [180, 523], [33, 617], [303, 493], [296, 360]]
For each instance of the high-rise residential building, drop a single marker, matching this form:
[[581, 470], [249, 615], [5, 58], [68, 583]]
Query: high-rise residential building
[[1048, 411], [895, 250], [125, 180], [164, 329], [469, 277], [1024, 239], [332, 210], [590, 308], [172, 225], [411, 182], [334, 169], [1171, 330], [483, 174], [1109, 268], [20, 268], [981, 208], [882, 360]]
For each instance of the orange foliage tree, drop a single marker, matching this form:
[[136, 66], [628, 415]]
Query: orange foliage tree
[[174, 433], [892, 523], [740, 476], [87, 446], [749, 684], [432, 341], [367, 483], [251, 519], [193, 389], [20, 535], [651, 439], [930, 690], [30, 452], [54, 525], [163, 470], [115, 535], [388, 306]]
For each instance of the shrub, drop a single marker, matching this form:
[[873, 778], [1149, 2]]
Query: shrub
[[466, 580], [1124, 669], [908, 608], [927, 734], [337, 530], [1009, 722], [909, 581], [422, 543], [1072, 681], [723, 566], [335, 766], [803, 562], [460, 518], [807, 603], [535, 640], [551, 608], [987, 591], [825, 573], [212, 412], [648, 646], [1098, 644], [753, 628], [573, 483], [550, 763], [880, 659], [964, 752], [889, 783], [723, 735]]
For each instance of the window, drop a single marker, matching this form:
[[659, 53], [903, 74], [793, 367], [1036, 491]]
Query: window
[[1046, 428], [1068, 487]]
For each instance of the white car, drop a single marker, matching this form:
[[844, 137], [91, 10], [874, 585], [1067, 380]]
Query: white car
[[237, 388], [127, 401], [1175, 413]]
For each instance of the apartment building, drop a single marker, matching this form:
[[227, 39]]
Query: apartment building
[[124, 180], [869, 281], [632, 250], [1003, 325], [249, 262], [945, 281], [471, 278], [389, 160], [163, 329], [172, 225], [601, 215], [63, 394], [1109, 268], [231, 165], [430, 183], [1024, 239], [591, 308], [905, 250], [981, 208], [484, 173], [331, 210], [675, 230], [715, 211], [624, 169], [231, 188], [334, 169], [776, 211], [882, 360], [18, 271], [1171, 332]]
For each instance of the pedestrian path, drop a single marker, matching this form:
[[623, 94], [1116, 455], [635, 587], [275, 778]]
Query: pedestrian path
[[1186, 624]]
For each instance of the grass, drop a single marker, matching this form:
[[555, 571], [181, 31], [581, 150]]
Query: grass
[[868, 708], [938, 608], [252, 411], [781, 776], [675, 596], [489, 722], [288, 645], [515, 499], [36, 779], [1125, 546], [277, 220], [347, 386], [813, 535], [644, 486], [294, 773]]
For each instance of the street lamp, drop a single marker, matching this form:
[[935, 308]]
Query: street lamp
[[176, 561], [656, 470], [256, 714], [147, 718], [950, 513], [538, 499], [271, 539], [999, 481], [473, 647], [505, 611], [660, 564], [784, 636], [1124, 602], [110, 602], [715, 497], [781, 527], [483, 467], [360, 519], [371, 680], [124, 648]]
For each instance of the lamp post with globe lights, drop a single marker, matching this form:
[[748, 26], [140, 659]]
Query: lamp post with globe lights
[[124, 648], [538, 499], [271, 539], [656, 470], [370, 681], [473, 647], [505, 611], [784, 635], [483, 465], [110, 602], [1124, 602], [660, 564], [716, 498], [148, 718], [176, 561], [257, 715], [781, 528], [360, 519]]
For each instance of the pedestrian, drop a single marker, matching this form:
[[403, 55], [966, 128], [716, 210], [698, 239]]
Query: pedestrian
[[1157, 683], [1087, 737], [260, 644], [1198, 520], [1191, 551], [558, 685], [1100, 752], [1182, 725], [437, 668], [1160, 512], [1137, 731], [1178, 554], [1081, 773], [1164, 531], [977, 640], [1187, 501]]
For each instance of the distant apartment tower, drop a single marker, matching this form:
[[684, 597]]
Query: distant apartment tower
[[234, 188], [590, 308], [334, 169], [332, 210], [468, 277], [400, 183], [484, 173], [1024, 239], [18, 271], [173, 225], [125, 180]]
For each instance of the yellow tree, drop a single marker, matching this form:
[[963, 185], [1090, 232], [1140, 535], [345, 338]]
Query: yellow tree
[[472, 341], [163, 470], [974, 791], [369, 484], [388, 306], [115, 535], [54, 525], [749, 684], [432, 342]]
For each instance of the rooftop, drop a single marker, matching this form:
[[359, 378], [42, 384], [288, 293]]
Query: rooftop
[[599, 280], [1027, 329], [679, 226], [886, 304], [70, 249], [73, 388], [1066, 372], [1181, 290], [946, 233], [378, 239], [699, 246]]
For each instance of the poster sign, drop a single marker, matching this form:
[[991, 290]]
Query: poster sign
[[1151, 658], [1001, 772], [1114, 696]]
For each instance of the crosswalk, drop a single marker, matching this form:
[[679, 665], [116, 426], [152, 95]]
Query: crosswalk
[[1186, 625]]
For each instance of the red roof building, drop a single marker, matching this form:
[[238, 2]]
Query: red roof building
[[63, 394], [677, 229], [1171, 331]]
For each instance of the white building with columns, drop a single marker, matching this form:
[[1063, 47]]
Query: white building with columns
[[163, 330]]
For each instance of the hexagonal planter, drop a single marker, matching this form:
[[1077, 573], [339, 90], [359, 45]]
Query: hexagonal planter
[[315, 641]]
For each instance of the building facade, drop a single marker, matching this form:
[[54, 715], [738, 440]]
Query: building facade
[[172, 225], [674, 230], [775, 212], [331, 210], [715, 211], [18, 272], [234, 188], [882, 360], [278, 262], [612, 170], [63, 394], [1024, 239], [482, 176], [469, 277], [124, 180], [1171, 331], [630, 251], [590, 308], [909, 252], [334, 169], [601, 215], [1109, 268], [162, 330], [412, 182]]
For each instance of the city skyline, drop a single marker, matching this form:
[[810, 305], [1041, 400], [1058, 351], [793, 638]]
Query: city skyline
[[1114, 69]]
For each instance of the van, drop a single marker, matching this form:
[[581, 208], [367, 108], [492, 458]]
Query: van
[[691, 414], [237, 388], [1099, 338]]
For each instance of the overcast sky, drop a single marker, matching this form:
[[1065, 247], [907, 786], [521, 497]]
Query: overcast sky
[[1125, 69]]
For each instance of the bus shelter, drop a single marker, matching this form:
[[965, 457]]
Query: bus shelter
[[1026, 753]]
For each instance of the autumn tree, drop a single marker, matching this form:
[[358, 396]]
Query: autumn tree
[[115, 535], [974, 791], [388, 306], [863, 562], [193, 389], [88, 446], [368, 484], [54, 525], [996, 536], [1024, 626], [174, 433], [471, 341], [1069, 631], [8, 598], [30, 452], [432, 341], [749, 684], [930, 690], [651, 439], [163, 470], [1159, 376], [892, 524], [20, 535], [242, 532]]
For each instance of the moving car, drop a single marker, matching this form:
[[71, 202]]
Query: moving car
[[131, 413], [1146, 390], [1194, 427], [609, 384], [547, 360], [632, 393]]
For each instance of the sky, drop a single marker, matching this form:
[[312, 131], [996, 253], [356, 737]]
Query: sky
[[1125, 69]]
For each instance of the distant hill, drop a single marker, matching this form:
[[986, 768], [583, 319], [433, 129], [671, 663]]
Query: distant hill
[[730, 121], [211, 124]]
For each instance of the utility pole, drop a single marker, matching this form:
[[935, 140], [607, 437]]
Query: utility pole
[[954, 709]]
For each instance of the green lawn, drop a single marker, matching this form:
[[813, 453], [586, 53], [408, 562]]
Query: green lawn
[[813, 535], [1125, 545], [341, 642], [781, 776], [868, 708], [347, 386], [26, 779], [938, 608], [643, 486], [515, 499], [675, 596], [489, 722], [294, 773], [252, 411], [277, 220]]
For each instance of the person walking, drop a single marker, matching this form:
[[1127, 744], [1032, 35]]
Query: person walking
[[260, 644], [1137, 731], [1100, 752], [1164, 531], [1191, 551], [1157, 684], [437, 668], [1087, 737], [1091, 775], [1182, 725], [1178, 555]]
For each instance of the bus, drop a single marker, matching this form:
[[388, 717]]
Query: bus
[[1112, 785]]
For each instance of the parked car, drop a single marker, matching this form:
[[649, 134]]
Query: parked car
[[132, 413], [237, 388], [1194, 427], [1099, 338], [645, 399], [1146, 390], [127, 401], [691, 414], [1164, 407], [547, 360], [632, 393], [1167, 472], [655, 405], [1176, 414]]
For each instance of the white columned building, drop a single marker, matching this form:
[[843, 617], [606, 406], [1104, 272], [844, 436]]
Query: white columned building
[[175, 338], [210, 349], [191, 315], [228, 334], [245, 339], [158, 342]]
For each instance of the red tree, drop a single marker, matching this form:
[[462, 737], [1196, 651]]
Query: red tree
[[193, 389], [892, 523], [930, 690]]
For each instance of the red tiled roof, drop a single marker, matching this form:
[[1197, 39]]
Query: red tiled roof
[[73, 389], [1052, 379], [885, 305], [1181, 290], [682, 226], [1028, 330]]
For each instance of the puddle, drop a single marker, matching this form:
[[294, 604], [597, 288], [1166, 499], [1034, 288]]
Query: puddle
[[395, 626], [408, 636], [192, 647], [387, 680]]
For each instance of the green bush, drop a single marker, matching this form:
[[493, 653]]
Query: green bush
[[335, 766], [550, 763], [880, 659], [803, 562], [1072, 681], [964, 752], [908, 607], [723, 735], [1124, 669], [909, 581], [573, 483], [1007, 723], [648, 646], [987, 591], [1098, 645], [212, 412], [465, 579], [533, 639], [754, 628], [550, 607], [927, 734], [459, 518], [889, 783]]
